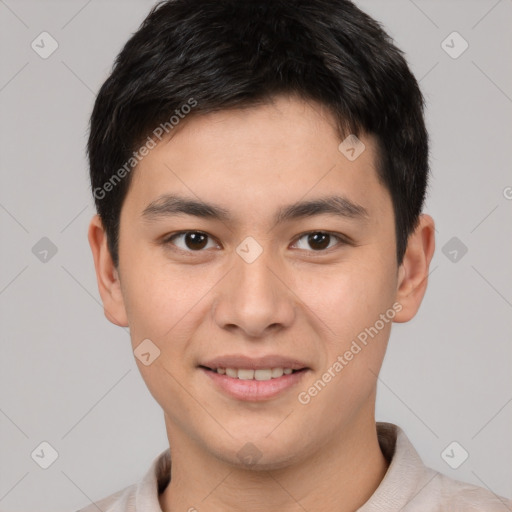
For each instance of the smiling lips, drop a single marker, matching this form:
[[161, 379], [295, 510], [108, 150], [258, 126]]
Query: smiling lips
[[252, 379], [260, 374]]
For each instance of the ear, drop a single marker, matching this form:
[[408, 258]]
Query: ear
[[107, 275], [413, 272]]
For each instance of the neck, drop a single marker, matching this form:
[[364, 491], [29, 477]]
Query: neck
[[341, 475]]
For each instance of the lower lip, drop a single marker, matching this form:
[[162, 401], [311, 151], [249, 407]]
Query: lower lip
[[254, 390]]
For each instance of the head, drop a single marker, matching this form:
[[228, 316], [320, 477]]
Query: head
[[259, 171]]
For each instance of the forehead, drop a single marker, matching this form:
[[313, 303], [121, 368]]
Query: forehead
[[250, 159]]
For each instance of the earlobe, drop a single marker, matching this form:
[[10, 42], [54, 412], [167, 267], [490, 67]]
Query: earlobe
[[414, 270], [107, 276]]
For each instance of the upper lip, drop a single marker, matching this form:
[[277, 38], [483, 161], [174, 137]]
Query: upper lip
[[253, 363]]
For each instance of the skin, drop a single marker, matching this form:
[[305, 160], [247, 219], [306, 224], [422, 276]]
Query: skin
[[292, 301]]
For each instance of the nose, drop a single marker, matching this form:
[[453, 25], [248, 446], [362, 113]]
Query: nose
[[254, 299]]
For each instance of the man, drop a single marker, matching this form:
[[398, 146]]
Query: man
[[259, 170]]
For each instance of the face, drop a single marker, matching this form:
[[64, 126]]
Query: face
[[249, 241]]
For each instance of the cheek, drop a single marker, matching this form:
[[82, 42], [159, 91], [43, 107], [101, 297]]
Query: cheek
[[155, 296], [346, 298], [165, 302], [351, 302]]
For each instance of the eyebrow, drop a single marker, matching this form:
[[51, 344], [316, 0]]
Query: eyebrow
[[169, 205]]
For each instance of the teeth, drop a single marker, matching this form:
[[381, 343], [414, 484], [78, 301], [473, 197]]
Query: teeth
[[262, 374], [277, 372], [245, 374]]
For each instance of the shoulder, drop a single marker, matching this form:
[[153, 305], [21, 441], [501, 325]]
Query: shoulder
[[410, 486], [120, 501], [454, 495], [142, 495]]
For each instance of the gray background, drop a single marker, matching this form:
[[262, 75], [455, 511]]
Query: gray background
[[68, 376]]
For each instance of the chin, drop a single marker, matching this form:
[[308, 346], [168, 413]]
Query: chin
[[257, 453]]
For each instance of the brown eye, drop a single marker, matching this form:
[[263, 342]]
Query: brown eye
[[196, 241], [191, 241], [318, 241]]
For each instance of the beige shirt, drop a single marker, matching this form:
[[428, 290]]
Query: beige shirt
[[408, 485]]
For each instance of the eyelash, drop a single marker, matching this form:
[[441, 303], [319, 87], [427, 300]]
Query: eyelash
[[342, 240]]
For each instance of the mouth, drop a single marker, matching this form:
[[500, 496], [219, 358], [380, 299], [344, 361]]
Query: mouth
[[253, 380], [260, 374]]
